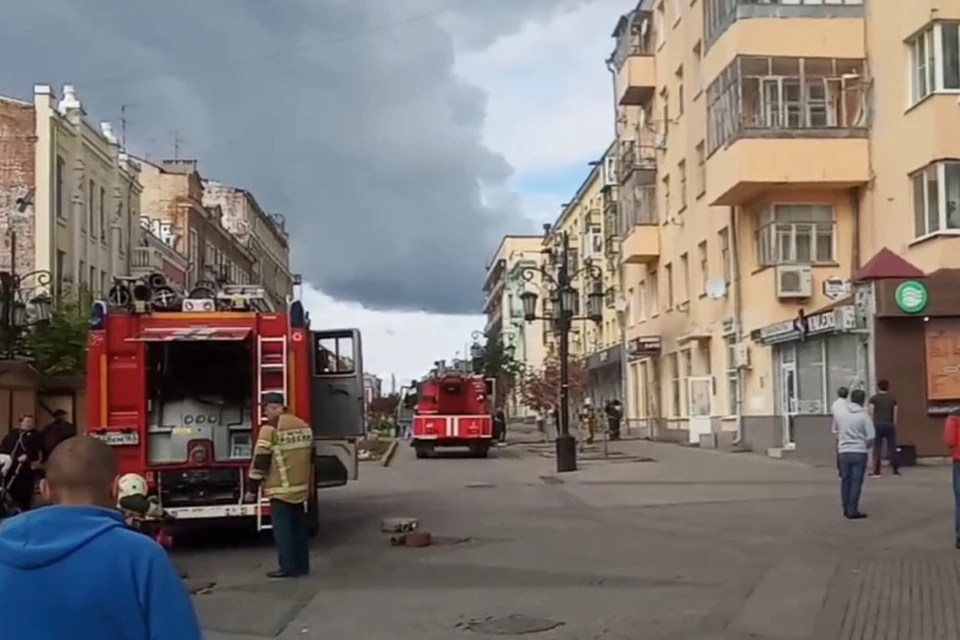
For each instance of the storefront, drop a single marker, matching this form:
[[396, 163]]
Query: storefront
[[917, 338], [605, 377], [814, 355]]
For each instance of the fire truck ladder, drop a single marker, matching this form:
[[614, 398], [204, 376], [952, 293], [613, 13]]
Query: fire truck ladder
[[274, 366]]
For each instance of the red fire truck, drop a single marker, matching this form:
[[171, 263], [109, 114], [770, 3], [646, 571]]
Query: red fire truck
[[175, 386], [453, 410]]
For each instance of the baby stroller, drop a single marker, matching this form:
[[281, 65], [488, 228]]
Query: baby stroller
[[8, 473]]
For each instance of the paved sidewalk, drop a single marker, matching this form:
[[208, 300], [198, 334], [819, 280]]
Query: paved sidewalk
[[660, 542]]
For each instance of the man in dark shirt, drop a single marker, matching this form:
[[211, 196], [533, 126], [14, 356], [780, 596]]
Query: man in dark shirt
[[883, 410], [56, 432]]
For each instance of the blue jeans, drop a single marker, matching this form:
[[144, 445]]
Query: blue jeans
[[290, 536], [853, 466], [956, 498]]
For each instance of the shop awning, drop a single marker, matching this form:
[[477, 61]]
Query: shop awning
[[184, 334]]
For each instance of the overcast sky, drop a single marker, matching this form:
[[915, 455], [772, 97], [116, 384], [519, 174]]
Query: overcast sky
[[400, 138]]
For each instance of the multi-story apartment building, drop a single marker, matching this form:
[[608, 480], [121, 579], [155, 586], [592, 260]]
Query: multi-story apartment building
[[768, 151], [173, 210], [590, 222], [502, 306], [263, 234], [149, 254], [69, 198]]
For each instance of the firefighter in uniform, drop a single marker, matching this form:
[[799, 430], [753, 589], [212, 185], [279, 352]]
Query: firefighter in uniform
[[281, 466]]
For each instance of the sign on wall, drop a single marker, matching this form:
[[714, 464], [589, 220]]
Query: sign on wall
[[911, 296], [942, 348]]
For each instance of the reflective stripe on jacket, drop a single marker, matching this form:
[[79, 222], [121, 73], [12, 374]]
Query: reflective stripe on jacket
[[287, 442]]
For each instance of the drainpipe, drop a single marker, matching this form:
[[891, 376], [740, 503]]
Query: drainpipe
[[737, 316], [855, 249]]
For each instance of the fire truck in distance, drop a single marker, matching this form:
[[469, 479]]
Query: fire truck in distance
[[453, 410], [175, 385]]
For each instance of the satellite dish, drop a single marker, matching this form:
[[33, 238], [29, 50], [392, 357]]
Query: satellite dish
[[716, 288]]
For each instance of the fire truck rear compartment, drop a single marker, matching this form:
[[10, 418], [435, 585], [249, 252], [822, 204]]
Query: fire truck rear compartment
[[200, 411]]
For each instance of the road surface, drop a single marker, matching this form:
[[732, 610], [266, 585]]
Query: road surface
[[658, 542]]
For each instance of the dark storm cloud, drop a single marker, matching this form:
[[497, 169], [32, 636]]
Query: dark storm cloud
[[344, 115]]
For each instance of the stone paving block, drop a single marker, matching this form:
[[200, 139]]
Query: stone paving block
[[901, 596]]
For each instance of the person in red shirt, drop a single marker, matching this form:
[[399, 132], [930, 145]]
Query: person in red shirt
[[951, 438]]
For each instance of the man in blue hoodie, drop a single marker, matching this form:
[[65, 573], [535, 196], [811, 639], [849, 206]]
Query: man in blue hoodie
[[75, 570]]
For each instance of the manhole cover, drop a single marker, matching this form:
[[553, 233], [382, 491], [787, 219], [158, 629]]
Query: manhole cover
[[515, 625]]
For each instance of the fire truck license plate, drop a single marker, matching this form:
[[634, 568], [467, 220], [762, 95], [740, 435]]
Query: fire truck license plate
[[118, 439]]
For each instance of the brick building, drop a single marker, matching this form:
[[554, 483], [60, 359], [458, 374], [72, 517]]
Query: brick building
[[262, 233], [66, 191], [174, 211]]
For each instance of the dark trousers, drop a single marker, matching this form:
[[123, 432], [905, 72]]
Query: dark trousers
[[956, 498], [853, 466], [290, 536], [885, 433], [21, 490]]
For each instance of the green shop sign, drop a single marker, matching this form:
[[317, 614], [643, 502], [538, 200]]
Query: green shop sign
[[911, 296]]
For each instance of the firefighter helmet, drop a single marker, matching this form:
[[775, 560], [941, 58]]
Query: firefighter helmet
[[132, 484]]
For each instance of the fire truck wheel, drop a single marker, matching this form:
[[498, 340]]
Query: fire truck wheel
[[480, 450], [422, 452]]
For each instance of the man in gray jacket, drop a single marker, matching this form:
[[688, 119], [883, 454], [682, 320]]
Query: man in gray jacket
[[855, 436]]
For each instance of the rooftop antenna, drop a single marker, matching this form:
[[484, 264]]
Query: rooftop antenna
[[123, 124], [177, 142]]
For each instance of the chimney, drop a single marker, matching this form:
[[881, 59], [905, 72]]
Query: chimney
[[106, 128], [70, 101], [43, 96]]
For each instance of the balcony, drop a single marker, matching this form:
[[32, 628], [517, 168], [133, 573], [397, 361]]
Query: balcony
[[786, 122], [636, 157], [639, 224], [765, 20], [633, 59], [145, 260]]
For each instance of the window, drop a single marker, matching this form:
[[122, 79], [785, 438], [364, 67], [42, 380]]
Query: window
[[642, 301], [194, 250], [674, 365], [686, 370], [82, 271], [58, 273], [685, 276], [680, 93], [654, 293], [660, 24], [934, 60], [704, 267], [595, 243], [682, 173], [936, 198], [61, 194], [665, 111], [701, 177], [844, 367], [796, 234], [333, 353], [733, 377], [668, 274], [810, 377], [697, 69], [103, 216], [93, 279], [103, 282], [88, 214], [666, 197], [725, 255]]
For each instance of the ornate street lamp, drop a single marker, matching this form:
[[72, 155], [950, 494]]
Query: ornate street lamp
[[558, 285], [24, 302]]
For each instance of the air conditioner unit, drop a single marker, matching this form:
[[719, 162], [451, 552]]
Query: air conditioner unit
[[742, 356], [610, 171], [794, 282]]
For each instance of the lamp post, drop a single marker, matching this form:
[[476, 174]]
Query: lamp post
[[22, 307], [559, 286]]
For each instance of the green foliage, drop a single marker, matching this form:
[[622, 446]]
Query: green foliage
[[59, 347], [495, 360]]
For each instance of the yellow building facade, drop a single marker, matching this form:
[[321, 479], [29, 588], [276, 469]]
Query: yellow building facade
[[765, 153]]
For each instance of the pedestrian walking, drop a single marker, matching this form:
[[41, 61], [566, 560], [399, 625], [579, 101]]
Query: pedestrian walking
[[614, 411], [282, 460], [838, 409], [57, 431], [883, 410], [76, 570], [500, 426], [855, 435], [951, 438]]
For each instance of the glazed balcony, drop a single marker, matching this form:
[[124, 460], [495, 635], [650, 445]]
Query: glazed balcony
[[635, 157], [767, 19], [633, 60], [786, 122], [639, 224]]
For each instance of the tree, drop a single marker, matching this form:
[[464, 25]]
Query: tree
[[383, 407], [540, 388], [495, 360], [59, 346]]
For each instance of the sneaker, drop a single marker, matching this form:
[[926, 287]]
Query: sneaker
[[856, 516], [875, 475], [956, 543]]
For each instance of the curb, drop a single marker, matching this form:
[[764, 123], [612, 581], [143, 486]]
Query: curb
[[388, 455]]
